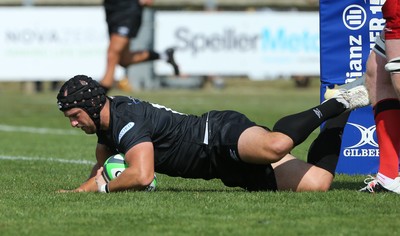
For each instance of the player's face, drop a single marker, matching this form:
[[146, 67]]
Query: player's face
[[78, 118]]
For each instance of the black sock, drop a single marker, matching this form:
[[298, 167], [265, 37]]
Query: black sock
[[153, 55], [299, 126], [324, 151]]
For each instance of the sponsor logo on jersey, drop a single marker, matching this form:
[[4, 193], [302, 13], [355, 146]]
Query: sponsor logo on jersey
[[133, 101], [124, 130]]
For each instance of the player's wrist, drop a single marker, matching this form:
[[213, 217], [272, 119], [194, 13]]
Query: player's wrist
[[104, 188]]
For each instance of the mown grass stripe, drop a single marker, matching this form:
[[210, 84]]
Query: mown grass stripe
[[22, 158], [35, 130]]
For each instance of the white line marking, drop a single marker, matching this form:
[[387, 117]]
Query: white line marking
[[35, 130], [22, 158]]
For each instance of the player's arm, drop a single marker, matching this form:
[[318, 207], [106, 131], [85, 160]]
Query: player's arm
[[139, 173]]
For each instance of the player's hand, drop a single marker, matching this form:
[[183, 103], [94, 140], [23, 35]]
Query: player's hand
[[99, 178]]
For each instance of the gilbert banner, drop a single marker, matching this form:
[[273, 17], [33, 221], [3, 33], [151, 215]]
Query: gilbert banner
[[348, 30]]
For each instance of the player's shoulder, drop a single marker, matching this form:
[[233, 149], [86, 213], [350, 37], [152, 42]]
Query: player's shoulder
[[125, 109], [118, 102], [123, 99]]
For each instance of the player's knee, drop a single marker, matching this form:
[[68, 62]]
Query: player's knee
[[278, 148], [320, 184], [323, 186]]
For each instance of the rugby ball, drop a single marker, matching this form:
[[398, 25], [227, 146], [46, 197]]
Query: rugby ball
[[153, 185], [114, 166]]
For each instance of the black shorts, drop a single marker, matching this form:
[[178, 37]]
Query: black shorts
[[123, 17], [225, 129]]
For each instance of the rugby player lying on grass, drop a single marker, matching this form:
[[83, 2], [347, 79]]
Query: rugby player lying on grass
[[218, 144]]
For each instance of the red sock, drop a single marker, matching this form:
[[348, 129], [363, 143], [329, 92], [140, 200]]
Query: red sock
[[387, 120]]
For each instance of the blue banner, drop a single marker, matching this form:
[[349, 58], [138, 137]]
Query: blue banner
[[347, 35]]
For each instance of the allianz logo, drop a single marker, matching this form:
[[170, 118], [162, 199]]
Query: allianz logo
[[354, 17]]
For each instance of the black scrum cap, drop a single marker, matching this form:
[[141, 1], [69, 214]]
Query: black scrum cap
[[83, 92]]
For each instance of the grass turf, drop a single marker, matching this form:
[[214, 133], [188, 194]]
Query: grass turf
[[35, 138]]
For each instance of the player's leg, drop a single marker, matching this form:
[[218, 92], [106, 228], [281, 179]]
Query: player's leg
[[391, 14], [118, 44], [387, 106], [378, 81], [123, 21], [292, 174], [393, 65], [386, 109], [257, 145], [132, 21], [135, 57], [386, 114], [391, 33], [318, 173], [300, 125]]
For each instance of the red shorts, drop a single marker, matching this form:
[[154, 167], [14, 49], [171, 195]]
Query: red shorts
[[391, 12]]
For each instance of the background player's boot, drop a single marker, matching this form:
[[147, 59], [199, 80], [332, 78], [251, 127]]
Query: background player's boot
[[124, 85], [171, 60], [352, 95], [373, 186], [329, 93], [353, 98]]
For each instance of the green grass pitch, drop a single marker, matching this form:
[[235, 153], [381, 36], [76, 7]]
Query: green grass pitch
[[40, 153]]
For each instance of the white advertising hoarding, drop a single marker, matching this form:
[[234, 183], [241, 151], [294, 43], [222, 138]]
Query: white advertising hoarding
[[258, 44], [52, 43], [55, 43]]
